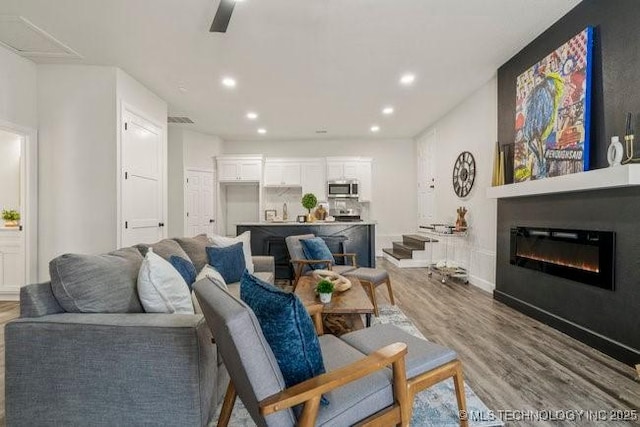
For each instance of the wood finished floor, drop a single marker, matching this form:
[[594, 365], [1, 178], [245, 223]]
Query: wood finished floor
[[511, 361]]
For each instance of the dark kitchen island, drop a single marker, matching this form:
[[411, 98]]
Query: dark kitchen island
[[267, 238]]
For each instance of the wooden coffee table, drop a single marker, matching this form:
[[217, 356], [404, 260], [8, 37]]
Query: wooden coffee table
[[353, 301]]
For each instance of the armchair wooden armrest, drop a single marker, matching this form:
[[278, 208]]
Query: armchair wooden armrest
[[315, 311], [348, 255], [299, 264], [310, 391]]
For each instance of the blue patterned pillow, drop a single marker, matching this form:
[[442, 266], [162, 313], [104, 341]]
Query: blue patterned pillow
[[316, 248], [186, 269], [229, 261], [287, 327]]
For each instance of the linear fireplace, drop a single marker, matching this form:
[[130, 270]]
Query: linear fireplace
[[581, 255]]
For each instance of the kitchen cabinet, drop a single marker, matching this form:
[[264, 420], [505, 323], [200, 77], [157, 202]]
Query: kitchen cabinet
[[314, 178], [12, 261], [358, 168], [234, 169], [282, 173]]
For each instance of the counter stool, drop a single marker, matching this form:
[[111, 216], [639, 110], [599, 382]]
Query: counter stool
[[426, 363], [371, 278]]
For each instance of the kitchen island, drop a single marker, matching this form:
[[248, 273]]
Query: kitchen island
[[267, 238]]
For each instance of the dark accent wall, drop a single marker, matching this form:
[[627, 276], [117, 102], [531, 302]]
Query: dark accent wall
[[607, 320]]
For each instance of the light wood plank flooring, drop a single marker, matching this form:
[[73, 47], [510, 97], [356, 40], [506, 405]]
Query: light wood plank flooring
[[511, 361]]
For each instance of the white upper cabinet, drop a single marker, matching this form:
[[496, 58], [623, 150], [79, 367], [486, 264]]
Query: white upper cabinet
[[232, 169], [281, 173], [314, 178], [345, 168]]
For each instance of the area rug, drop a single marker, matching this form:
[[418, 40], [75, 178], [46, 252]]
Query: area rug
[[433, 407]]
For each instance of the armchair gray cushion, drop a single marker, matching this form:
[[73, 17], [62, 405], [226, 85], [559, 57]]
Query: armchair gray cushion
[[97, 283]]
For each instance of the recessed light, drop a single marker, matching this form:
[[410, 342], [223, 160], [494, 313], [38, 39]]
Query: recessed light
[[262, 131], [375, 128], [251, 115], [407, 79], [229, 82], [387, 110]]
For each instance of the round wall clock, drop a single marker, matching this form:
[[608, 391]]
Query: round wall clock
[[464, 174]]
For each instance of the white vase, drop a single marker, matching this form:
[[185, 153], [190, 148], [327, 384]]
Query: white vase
[[325, 298]]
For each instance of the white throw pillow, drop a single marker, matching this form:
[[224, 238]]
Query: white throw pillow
[[212, 274], [161, 288], [245, 238]]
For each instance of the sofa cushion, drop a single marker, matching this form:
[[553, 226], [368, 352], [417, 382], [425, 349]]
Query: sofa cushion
[[166, 248], [212, 274], [97, 283], [245, 238], [229, 261], [195, 249], [186, 269], [161, 288], [287, 328], [316, 248]]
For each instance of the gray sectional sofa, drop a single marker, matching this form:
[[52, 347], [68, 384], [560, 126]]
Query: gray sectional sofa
[[73, 358]]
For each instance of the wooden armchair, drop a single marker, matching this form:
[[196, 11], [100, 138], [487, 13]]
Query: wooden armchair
[[357, 386], [302, 265]]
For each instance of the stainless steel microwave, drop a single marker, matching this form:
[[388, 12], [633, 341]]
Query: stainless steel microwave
[[342, 189]]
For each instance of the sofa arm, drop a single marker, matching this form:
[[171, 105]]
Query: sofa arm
[[38, 300], [264, 264], [110, 369]]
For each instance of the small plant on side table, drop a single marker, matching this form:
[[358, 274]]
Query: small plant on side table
[[309, 201], [11, 217], [325, 290]]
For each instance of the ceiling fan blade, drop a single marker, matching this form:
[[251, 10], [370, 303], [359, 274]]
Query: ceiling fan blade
[[223, 16]]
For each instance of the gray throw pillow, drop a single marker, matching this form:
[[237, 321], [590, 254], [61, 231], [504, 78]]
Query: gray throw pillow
[[165, 248], [195, 247], [97, 283]]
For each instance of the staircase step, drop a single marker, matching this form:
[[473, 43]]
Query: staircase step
[[402, 247], [416, 241], [396, 255]]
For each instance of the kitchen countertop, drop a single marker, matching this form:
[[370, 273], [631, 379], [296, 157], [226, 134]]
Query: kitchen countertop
[[10, 229], [287, 223]]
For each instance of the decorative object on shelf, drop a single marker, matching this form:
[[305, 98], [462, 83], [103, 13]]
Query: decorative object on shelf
[[630, 154], [461, 222], [496, 166], [11, 217], [270, 214], [615, 152], [553, 112], [309, 201], [285, 212], [501, 168], [507, 163], [340, 283], [325, 289], [301, 218], [320, 213], [464, 174]]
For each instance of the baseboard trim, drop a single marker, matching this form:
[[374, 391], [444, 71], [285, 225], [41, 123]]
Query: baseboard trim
[[613, 348], [10, 295], [485, 285]]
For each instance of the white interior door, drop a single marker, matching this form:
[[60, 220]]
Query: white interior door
[[142, 185], [200, 206], [426, 179]]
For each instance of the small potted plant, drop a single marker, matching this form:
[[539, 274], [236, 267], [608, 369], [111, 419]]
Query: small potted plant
[[309, 201], [11, 217], [325, 288]]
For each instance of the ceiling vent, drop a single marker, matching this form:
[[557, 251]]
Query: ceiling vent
[[24, 38], [184, 120]]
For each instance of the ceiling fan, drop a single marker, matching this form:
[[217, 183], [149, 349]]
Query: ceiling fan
[[223, 16]]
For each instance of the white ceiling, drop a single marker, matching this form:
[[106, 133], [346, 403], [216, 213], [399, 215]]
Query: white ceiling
[[303, 65]]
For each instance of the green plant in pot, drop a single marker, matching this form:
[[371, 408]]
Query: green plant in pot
[[11, 217], [325, 288], [309, 201]]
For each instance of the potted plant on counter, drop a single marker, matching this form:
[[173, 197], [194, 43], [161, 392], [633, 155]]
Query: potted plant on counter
[[325, 288], [309, 201], [11, 217]]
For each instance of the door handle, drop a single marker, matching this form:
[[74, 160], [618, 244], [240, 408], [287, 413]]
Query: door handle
[[211, 221], [161, 224]]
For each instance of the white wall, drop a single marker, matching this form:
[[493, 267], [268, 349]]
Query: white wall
[[471, 126], [77, 158], [187, 149], [18, 94], [10, 150], [394, 202]]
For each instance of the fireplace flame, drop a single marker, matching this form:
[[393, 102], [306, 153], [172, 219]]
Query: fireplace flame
[[581, 265]]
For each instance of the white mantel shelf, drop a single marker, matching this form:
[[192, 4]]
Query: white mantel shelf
[[598, 179]]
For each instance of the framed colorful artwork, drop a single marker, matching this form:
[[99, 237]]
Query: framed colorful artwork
[[553, 109]]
